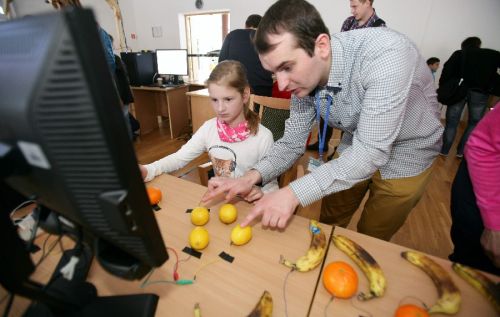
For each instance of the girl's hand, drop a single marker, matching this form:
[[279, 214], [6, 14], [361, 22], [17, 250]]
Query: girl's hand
[[144, 171]]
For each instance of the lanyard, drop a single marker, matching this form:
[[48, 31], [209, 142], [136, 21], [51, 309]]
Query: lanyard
[[322, 134]]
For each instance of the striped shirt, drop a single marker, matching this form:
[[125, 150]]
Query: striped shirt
[[385, 102]]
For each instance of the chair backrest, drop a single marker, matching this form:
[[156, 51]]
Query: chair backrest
[[273, 113]]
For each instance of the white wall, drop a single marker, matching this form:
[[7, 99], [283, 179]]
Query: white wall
[[436, 26]]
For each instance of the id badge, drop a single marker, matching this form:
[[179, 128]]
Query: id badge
[[313, 164]]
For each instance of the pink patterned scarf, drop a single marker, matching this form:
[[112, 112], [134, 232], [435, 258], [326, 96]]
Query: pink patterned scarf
[[231, 135]]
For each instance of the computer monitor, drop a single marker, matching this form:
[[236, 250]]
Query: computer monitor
[[141, 67], [172, 62], [62, 117]]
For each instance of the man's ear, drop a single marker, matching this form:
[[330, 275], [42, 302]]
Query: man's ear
[[322, 46]]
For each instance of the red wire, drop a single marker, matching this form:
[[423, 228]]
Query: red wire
[[175, 275]]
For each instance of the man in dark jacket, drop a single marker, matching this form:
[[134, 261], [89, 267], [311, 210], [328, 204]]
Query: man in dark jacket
[[238, 45], [480, 67]]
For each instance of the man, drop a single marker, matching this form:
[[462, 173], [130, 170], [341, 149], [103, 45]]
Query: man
[[377, 89], [480, 67], [238, 46], [363, 16], [433, 64]]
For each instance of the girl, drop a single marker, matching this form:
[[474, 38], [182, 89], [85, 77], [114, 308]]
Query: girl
[[234, 140]]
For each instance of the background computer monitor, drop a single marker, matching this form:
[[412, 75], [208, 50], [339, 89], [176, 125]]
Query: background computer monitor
[[172, 62], [141, 67], [62, 116]]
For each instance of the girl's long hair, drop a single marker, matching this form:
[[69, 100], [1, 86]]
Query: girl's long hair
[[232, 74]]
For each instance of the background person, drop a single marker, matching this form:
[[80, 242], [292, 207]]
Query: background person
[[433, 64], [475, 198], [238, 46], [480, 77]]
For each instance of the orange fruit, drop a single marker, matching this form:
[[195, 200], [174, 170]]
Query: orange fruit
[[340, 279], [410, 310], [154, 195]]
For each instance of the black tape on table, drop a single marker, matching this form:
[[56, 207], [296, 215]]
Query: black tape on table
[[226, 257], [189, 210], [192, 252], [156, 207]]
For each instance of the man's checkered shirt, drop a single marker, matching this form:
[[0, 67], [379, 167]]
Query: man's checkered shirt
[[384, 100]]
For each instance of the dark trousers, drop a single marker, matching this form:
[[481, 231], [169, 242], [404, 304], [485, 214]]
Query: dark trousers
[[476, 103], [467, 224]]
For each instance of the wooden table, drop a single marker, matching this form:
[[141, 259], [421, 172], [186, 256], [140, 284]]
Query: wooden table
[[171, 103], [221, 288], [403, 279], [201, 108]]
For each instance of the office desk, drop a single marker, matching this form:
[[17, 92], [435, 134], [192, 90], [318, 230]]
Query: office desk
[[171, 102], [403, 279], [201, 108], [221, 288]]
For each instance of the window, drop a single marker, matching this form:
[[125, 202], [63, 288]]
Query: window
[[205, 33]]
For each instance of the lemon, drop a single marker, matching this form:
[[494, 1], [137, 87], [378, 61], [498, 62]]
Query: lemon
[[200, 216], [240, 236], [228, 213], [198, 238]]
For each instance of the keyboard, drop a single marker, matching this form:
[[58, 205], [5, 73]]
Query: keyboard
[[164, 85]]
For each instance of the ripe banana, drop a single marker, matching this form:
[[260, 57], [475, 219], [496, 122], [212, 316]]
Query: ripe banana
[[197, 310], [264, 307], [314, 255], [366, 263], [449, 297], [481, 282]]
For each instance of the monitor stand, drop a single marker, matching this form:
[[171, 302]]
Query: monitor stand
[[60, 297]]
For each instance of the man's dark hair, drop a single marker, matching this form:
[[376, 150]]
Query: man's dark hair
[[253, 21], [471, 42], [433, 60], [298, 17]]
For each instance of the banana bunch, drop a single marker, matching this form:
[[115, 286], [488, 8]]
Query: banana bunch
[[449, 297], [481, 282], [264, 307], [366, 263], [315, 253]]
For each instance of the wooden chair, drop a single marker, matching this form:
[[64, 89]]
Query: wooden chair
[[272, 113]]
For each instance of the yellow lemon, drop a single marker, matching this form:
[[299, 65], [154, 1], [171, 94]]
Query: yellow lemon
[[228, 213], [198, 238], [240, 236], [200, 216]]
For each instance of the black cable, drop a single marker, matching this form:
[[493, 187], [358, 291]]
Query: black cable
[[48, 252], [9, 305]]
